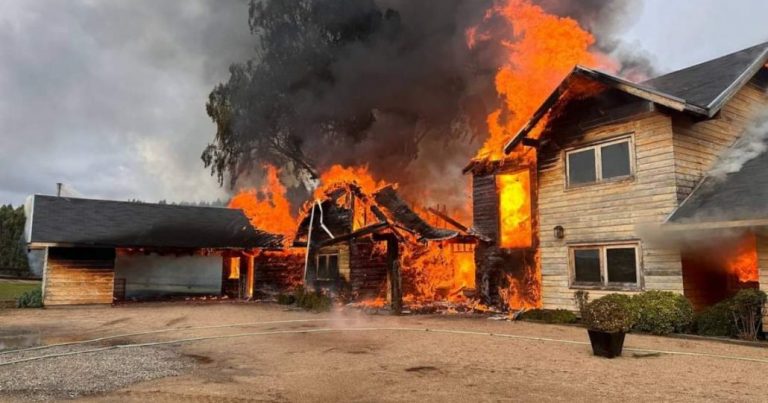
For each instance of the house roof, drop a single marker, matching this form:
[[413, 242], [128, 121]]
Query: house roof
[[740, 197], [403, 215], [700, 90], [106, 223]]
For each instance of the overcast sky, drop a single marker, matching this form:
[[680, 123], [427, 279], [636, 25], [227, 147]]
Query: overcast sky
[[109, 96]]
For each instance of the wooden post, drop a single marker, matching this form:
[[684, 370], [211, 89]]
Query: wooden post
[[393, 275]]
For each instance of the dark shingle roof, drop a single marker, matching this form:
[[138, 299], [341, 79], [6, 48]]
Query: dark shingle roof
[[87, 222], [703, 84], [740, 196], [700, 90]]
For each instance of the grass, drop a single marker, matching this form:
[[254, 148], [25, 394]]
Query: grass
[[12, 289]]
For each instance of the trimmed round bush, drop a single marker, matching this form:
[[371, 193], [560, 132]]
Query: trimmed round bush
[[661, 312], [611, 313]]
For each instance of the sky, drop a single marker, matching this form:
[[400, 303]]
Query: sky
[[108, 97]]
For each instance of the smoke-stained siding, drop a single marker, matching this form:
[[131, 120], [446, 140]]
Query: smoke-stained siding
[[699, 145]]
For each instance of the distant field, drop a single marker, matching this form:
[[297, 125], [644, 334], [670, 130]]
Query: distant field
[[12, 289]]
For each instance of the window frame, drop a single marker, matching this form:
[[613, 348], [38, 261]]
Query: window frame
[[327, 256], [604, 283], [598, 146]]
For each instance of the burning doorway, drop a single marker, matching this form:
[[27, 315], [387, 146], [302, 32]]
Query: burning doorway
[[718, 269]]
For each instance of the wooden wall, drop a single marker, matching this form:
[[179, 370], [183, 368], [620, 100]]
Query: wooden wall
[[368, 268], [697, 145], [75, 276], [608, 212]]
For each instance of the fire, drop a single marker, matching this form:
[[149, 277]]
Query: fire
[[515, 210], [338, 175], [743, 261], [437, 271], [542, 50], [267, 207]]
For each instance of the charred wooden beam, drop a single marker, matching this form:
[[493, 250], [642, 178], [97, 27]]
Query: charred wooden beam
[[448, 219], [356, 234]]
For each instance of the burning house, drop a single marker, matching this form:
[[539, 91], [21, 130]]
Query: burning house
[[609, 187], [99, 251], [375, 247]]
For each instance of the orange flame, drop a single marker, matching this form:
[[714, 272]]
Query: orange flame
[[743, 262], [543, 49], [515, 210], [437, 271], [338, 175], [267, 207]]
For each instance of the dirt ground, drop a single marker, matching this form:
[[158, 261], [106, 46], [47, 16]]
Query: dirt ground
[[285, 355]]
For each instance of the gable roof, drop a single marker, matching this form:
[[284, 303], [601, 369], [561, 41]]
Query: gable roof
[[739, 197], [700, 90], [107, 223]]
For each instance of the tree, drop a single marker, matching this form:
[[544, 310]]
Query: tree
[[325, 72], [12, 254]]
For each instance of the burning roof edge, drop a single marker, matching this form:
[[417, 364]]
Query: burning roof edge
[[643, 91]]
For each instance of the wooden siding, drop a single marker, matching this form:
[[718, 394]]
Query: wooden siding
[[608, 212], [75, 282], [697, 145], [368, 274], [762, 258]]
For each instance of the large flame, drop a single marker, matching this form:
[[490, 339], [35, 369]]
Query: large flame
[[515, 210], [743, 260], [542, 50], [267, 207]]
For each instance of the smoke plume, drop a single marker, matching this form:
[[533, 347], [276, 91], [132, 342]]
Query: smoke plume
[[752, 143], [411, 97]]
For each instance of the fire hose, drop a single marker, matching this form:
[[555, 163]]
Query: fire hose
[[372, 329]]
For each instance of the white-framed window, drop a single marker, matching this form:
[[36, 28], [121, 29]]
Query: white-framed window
[[327, 266], [616, 265], [603, 162]]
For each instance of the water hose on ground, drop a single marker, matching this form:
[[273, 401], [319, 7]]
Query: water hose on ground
[[374, 329]]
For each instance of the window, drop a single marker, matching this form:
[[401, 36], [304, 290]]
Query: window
[[234, 268], [327, 267], [612, 266], [599, 163]]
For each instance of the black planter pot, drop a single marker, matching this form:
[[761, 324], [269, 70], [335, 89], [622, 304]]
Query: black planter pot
[[608, 345]]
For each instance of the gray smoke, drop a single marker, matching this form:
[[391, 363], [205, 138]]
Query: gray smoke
[[752, 143], [418, 95]]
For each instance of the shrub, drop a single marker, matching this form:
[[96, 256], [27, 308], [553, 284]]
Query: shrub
[[715, 321], [550, 315], [286, 299], [581, 298], [747, 308], [611, 313], [312, 301], [661, 312], [30, 299]]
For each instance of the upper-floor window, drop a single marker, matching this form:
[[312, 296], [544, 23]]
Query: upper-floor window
[[602, 162]]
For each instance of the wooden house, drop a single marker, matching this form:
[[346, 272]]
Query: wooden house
[[354, 242], [99, 251], [621, 199]]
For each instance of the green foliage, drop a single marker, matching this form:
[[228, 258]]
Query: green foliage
[[715, 321], [661, 312], [740, 315], [12, 254], [312, 301], [31, 299], [286, 299], [581, 298], [747, 308], [557, 316], [611, 313]]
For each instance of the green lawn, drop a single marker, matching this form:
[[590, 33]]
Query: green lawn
[[12, 289]]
